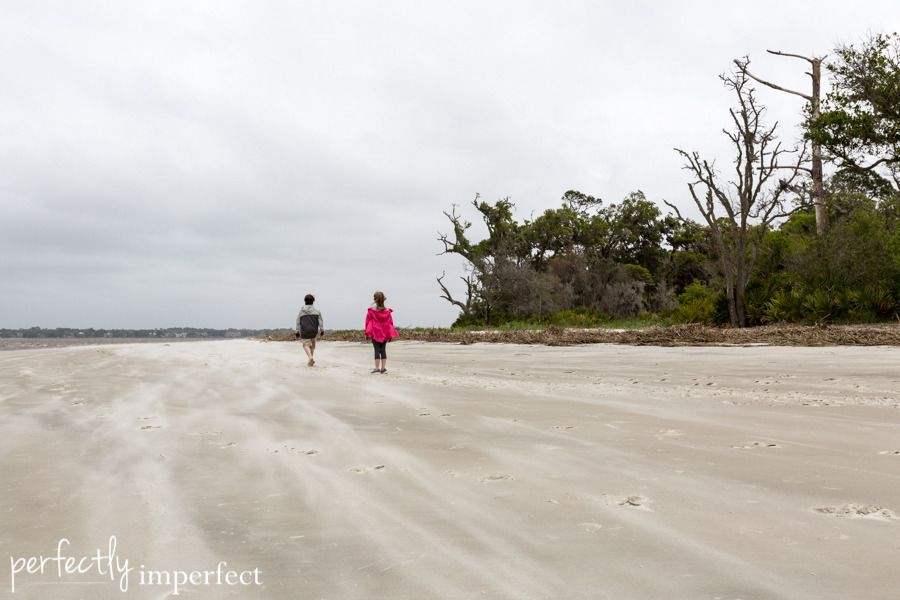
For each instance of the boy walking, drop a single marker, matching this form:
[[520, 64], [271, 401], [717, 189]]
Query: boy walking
[[309, 325]]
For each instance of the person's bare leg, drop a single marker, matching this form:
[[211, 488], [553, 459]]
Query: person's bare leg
[[377, 368], [384, 365], [309, 361]]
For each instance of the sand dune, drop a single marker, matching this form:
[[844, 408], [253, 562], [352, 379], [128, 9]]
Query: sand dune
[[485, 471]]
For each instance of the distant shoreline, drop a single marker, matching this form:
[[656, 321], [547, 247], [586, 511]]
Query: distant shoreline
[[9, 344]]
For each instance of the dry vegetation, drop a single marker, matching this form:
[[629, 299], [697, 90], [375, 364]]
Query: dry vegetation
[[676, 335]]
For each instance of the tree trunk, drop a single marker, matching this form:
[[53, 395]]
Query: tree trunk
[[740, 307], [730, 296], [818, 185], [818, 195]]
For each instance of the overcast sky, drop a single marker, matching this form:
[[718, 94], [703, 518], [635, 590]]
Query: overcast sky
[[174, 163]]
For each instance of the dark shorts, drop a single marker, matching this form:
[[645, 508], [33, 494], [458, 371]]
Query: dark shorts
[[380, 349]]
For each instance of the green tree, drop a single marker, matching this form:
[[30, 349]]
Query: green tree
[[581, 255], [555, 232], [630, 232], [690, 253], [859, 123], [486, 258]]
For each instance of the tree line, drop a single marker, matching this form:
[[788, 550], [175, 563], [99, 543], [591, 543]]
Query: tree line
[[778, 241]]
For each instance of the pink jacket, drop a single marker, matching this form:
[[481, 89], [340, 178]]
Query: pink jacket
[[380, 325]]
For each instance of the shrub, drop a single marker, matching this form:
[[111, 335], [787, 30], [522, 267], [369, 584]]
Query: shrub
[[878, 301], [697, 304], [582, 317], [622, 298], [819, 305]]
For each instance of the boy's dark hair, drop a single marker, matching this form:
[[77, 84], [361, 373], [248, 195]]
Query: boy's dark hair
[[309, 299]]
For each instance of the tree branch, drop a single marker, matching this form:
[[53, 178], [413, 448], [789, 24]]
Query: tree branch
[[742, 65], [675, 208], [780, 53], [449, 298]]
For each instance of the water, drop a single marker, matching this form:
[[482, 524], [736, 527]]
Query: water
[[35, 343]]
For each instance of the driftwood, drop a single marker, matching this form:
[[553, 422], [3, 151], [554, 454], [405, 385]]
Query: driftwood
[[887, 334]]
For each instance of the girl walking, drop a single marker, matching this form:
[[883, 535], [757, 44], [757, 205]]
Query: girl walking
[[380, 329]]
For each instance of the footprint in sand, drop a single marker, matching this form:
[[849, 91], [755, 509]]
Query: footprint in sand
[[151, 427], [563, 427], [858, 511], [637, 502], [364, 470], [753, 445], [669, 433], [590, 526], [287, 448], [490, 478]]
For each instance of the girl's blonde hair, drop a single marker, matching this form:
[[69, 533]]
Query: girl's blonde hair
[[379, 299]]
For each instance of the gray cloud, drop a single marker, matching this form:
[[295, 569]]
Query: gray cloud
[[174, 163]]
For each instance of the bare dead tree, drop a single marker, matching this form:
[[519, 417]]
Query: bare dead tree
[[751, 201], [466, 306], [813, 98], [460, 244]]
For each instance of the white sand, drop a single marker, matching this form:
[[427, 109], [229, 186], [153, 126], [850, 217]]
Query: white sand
[[485, 471]]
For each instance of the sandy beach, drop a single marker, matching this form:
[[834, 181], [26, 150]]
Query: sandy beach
[[468, 471]]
